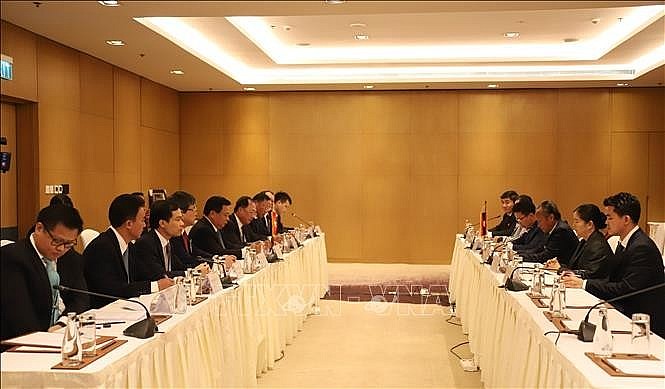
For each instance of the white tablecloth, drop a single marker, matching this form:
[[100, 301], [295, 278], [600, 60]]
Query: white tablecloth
[[506, 334], [227, 340]]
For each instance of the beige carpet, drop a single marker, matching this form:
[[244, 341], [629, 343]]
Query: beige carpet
[[373, 344], [367, 273]]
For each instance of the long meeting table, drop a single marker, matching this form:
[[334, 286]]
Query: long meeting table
[[506, 333], [227, 340]]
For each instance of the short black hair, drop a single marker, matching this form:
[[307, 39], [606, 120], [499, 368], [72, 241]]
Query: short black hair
[[138, 194], [56, 214], [63, 199], [183, 199], [261, 196], [123, 208], [509, 194], [283, 196], [525, 206], [591, 213], [215, 203], [242, 202], [625, 203], [161, 210], [550, 208]]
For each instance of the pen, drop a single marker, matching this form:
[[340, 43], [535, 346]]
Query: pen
[[109, 323]]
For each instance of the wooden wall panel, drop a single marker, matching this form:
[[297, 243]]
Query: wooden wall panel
[[21, 45], [200, 112], [8, 182], [201, 153], [579, 152], [160, 167], [59, 137], [584, 110], [244, 113], [126, 131], [58, 75], [656, 211], [159, 107], [638, 109], [96, 80]]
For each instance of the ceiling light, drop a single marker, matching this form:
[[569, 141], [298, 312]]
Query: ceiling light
[[303, 44], [357, 25], [361, 37], [111, 3], [115, 42], [249, 89], [595, 20], [492, 85], [333, 2], [177, 71], [623, 84], [570, 40], [368, 86], [511, 34]]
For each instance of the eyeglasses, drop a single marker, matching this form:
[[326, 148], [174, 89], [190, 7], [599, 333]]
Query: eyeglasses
[[57, 242], [520, 218]]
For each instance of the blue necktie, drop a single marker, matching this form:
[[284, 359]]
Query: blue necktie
[[54, 280]]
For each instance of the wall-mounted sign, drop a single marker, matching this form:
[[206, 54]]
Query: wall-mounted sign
[[7, 67]]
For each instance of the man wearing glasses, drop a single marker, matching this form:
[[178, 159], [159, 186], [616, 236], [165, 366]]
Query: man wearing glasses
[[29, 302]]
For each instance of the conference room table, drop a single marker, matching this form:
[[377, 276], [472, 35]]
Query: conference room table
[[227, 340], [506, 333]]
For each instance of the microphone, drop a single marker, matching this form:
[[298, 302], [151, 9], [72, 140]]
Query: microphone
[[587, 330], [226, 279], [516, 285], [141, 329], [311, 224]]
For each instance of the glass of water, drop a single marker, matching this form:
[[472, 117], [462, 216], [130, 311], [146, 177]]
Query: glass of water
[[88, 331], [640, 333]]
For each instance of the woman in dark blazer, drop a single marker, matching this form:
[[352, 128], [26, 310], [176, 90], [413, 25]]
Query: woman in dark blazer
[[593, 256]]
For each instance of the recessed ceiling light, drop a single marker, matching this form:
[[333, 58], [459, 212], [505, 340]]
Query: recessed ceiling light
[[511, 34], [357, 25], [249, 89], [570, 40], [111, 3], [361, 37], [333, 2], [177, 71], [492, 85], [595, 20], [623, 84], [303, 44], [115, 42], [368, 86]]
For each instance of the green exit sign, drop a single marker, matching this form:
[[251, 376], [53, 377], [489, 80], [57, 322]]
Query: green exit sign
[[6, 67]]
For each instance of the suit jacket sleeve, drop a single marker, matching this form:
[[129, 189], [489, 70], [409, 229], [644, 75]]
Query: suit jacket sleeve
[[105, 273], [231, 235], [204, 239], [148, 258], [638, 274], [70, 269], [560, 245], [185, 259], [596, 258]]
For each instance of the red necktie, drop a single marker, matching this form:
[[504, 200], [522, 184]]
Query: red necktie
[[185, 240]]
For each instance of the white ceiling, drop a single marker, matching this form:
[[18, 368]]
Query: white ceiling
[[411, 45]]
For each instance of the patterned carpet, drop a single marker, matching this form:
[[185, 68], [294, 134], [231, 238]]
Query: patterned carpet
[[416, 284]]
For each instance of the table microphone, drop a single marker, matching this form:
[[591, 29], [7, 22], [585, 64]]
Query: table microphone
[[587, 330], [516, 285], [311, 224], [141, 329], [226, 279]]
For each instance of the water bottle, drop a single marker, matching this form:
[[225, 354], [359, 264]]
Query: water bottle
[[537, 283], [180, 305], [71, 352]]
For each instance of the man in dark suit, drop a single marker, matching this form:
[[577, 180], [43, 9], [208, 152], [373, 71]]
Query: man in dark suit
[[28, 273], [260, 225], [206, 235], [508, 222], [182, 245], [154, 256], [70, 269], [281, 207], [525, 214], [560, 240], [638, 265], [237, 234], [110, 265]]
